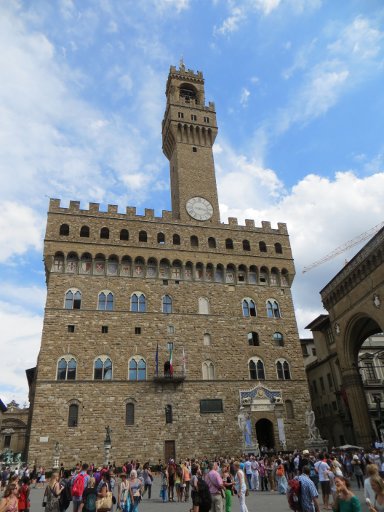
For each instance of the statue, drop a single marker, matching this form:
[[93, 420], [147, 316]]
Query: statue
[[313, 431], [8, 457], [17, 458], [244, 422], [108, 439], [56, 449]]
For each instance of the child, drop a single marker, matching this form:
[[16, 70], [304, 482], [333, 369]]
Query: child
[[164, 485]]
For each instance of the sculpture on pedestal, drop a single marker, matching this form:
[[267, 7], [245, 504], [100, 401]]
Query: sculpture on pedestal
[[244, 422]]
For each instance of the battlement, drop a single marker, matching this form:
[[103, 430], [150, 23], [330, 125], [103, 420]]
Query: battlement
[[149, 215], [184, 73]]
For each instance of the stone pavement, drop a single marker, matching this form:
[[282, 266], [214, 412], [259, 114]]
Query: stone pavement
[[256, 502]]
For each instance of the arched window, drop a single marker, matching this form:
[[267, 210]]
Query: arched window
[[262, 247], [229, 243], [273, 310], [64, 230], [129, 413], [289, 410], [85, 263], [167, 304], [73, 299], [211, 243], [124, 234], [105, 302], [246, 245], [102, 369], [274, 277], [282, 369], [194, 241], [176, 239], [66, 368], [249, 308], [104, 233], [168, 414], [208, 370], [284, 277], [72, 263], [73, 415], [203, 306], [137, 368], [278, 249], [138, 303], [160, 238], [253, 339], [264, 276], [207, 339], [58, 262], [143, 236], [84, 231], [278, 338], [256, 369]]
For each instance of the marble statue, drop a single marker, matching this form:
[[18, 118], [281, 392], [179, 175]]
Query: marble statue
[[244, 422], [313, 431]]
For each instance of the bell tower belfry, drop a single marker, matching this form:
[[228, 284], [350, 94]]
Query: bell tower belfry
[[189, 131]]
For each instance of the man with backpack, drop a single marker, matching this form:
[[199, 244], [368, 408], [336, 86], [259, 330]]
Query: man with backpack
[[79, 483], [308, 495]]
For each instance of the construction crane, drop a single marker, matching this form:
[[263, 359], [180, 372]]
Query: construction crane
[[345, 247]]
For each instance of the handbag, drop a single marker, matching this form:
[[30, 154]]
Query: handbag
[[104, 503]]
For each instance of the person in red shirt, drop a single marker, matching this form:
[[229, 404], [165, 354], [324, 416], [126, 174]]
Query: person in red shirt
[[24, 503]]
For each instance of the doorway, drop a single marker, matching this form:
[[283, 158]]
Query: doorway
[[264, 433], [169, 451]]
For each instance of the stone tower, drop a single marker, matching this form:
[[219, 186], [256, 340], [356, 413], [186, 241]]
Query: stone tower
[[170, 329], [189, 131]]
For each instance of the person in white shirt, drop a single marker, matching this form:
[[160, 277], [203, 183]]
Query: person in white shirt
[[322, 468], [255, 474], [371, 470], [248, 472]]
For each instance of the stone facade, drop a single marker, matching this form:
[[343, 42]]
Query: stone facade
[[124, 287], [13, 428], [346, 377]]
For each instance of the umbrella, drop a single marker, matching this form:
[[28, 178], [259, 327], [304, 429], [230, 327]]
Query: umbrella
[[347, 447]]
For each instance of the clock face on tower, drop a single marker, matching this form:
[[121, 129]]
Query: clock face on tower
[[199, 208]]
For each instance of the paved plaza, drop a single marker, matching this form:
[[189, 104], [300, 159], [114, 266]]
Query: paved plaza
[[256, 502]]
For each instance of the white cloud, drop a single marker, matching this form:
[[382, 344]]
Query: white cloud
[[359, 40], [244, 97], [172, 5], [356, 54], [321, 213], [19, 345], [20, 229]]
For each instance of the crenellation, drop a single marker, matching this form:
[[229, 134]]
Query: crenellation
[[266, 225], [94, 207], [131, 211], [74, 206], [282, 227], [149, 213], [232, 221], [112, 208], [250, 223]]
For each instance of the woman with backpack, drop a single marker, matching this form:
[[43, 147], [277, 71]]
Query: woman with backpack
[[52, 494], [88, 503]]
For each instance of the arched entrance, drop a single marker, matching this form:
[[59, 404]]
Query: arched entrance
[[354, 299], [264, 433]]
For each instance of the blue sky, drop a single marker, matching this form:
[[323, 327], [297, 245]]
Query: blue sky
[[298, 91]]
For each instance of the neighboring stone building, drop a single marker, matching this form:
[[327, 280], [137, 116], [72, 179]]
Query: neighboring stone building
[[208, 302], [346, 377], [13, 430], [329, 401]]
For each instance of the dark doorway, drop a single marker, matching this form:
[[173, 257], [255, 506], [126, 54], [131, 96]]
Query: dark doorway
[[264, 433], [169, 451]]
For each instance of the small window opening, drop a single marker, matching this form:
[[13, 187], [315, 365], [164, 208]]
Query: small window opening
[[104, 329], [137, 330]]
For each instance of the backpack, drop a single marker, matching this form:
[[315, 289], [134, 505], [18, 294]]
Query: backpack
[[294, 495], [90, 501], [78, 486]]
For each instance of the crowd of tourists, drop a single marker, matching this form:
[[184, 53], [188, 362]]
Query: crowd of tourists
[[207, 485]]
